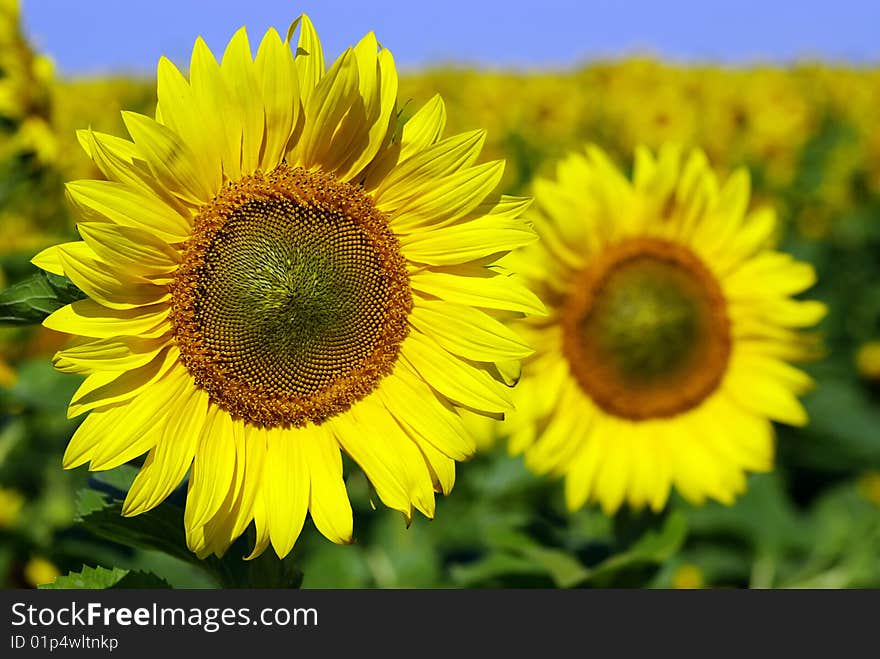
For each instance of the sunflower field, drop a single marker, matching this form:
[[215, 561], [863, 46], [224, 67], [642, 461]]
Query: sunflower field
[[621, 475]]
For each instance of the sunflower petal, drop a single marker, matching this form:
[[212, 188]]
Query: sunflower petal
[[170, 159], [106, 200], [309, 56], [277, 76], [328, 499], [424, 128], [238, 70], [467, 332], [287, 487], [452, 377], [468, 241], [88, 318], [170, 460], [478, 287]]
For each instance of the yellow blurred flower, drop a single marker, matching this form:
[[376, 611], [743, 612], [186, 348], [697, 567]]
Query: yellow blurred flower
[[11, 503], [8, 375], [868, 360], [869, 486], [39, 571], [688, 576], [672, 326], [25, 78]]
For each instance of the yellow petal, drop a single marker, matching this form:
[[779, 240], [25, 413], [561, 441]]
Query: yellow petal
[[255, 458], [453, 377], [88, 318], [117, 435], [50, 260], [136, 250], [323, 138], [309, 56], [417, 408], [410, 462], [260, 438], [124, 162], [580, 477], [696, 470], [108, 285], [115, 354], [180, 112], [170, 159], [287, 487], [219, 119], [452, 198], [213, 469], [769, 274], [467, 332], [381, 465], [279, 83], [84, 442], [566, 432], [468, 241], [747, 439], [328, 499], [236, 510], [767, 386], [724, 252], [613, 473], [169, 461], [238, 69], [106, 200], [377, 82], [440, 466], [424, 128], [478, 287], [107, 388], [422, 170]]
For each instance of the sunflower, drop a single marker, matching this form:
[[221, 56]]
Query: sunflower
[[277, 272], [665, 356]]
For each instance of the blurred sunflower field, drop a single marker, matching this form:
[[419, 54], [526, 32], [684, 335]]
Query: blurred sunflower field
[[807, 135]]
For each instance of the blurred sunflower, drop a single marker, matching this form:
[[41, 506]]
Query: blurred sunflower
[[277, 272], [665, 356]]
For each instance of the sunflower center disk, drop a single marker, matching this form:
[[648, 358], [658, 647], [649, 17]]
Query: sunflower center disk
[[646, 330], [291, 301]]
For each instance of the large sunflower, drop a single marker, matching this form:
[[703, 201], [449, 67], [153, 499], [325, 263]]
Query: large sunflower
[[665, 355], [277, 272]]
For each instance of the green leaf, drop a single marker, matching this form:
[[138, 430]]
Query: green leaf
[[138, 580], [518, 554], [565, 570], [160, 528], [118, 479], [654, 546], [843, 426], [764, 517], [42, 389], [100, 578], [29, 301], [495, 569], [268, 571], [90, 578], [88, 501]]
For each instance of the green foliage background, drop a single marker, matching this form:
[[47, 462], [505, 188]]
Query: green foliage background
[[809, 136]]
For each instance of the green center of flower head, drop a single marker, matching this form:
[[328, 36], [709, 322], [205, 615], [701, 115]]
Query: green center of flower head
[[647, 319], [646, 330], [292, 299], [292, 290]]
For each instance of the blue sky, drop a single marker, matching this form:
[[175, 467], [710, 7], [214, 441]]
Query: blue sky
[[128, 36]]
